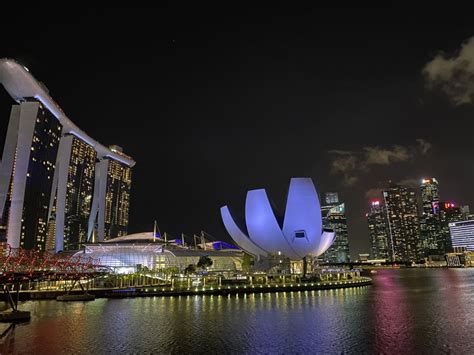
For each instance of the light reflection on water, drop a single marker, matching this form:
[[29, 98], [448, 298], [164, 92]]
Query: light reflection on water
[[404, 311]]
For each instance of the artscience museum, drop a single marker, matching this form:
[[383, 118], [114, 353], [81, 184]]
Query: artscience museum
[[297, 235]]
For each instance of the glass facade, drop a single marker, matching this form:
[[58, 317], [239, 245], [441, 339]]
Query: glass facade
[[462, 235], [39, 179], [334, 217], [80, 188], [378, 231], [448, 214], [430, 229], [117, 199], [403, 223], [331, 198], [128, 258]]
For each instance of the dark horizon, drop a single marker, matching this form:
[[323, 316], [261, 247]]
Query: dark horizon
[[212, 102]]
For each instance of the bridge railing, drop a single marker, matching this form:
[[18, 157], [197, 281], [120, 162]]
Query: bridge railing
[[19, 263]]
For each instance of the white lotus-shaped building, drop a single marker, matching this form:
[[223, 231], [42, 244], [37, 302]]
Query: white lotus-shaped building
[[300, 234]]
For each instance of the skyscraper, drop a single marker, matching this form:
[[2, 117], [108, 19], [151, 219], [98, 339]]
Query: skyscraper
[[334, 217], [77, 161], [54, 178], [430, 228], [378, 231], [403, 223], [28, 167], [331, 198], [449, 213], [117, 198]]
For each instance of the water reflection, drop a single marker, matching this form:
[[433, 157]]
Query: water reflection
[[405, 311], [390, 315]]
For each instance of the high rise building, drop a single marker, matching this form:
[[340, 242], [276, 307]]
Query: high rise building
[[430, 228], [462, 235], [29, 157], [378, 231], [117, 199], [402, 215], [331, 198], [448, 214], [77, 161], [334, 217], [54, 178]]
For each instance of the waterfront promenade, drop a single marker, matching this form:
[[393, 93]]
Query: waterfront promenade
[[165, 290], [210, 288]]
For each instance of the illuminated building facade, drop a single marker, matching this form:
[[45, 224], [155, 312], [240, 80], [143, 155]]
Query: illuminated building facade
[[301, 233], [117, 199], [28, 167], [76, 161], [135, 252], [448, 214], [378, 231], [334, 217], [49, 176], [403, 223], [331, 198], [430, 227], [462, 235]]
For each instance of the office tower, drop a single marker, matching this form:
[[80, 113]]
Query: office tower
[[430, 228], [334, 217], [403, 223], [448, 214], [331, 198], [51, 189], [462, 235], [378, 231]]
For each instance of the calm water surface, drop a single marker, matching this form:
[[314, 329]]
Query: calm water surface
[[403, 312]]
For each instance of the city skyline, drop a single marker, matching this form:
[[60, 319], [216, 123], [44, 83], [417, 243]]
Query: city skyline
[[222, 93]]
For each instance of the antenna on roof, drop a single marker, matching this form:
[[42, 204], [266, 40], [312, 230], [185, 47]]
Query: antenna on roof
[[154, 232]]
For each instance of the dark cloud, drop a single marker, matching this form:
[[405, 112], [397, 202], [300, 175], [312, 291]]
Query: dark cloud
[[381, 156], [453, 75], [352, 164]]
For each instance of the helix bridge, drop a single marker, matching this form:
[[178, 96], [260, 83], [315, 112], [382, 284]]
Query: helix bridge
[[18, 266]]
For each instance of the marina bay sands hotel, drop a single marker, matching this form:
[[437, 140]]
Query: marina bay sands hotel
[[58, 186]]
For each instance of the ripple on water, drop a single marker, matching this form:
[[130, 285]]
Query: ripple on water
[[404, 311]]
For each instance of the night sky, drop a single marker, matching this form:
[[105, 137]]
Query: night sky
[[214, 101]]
